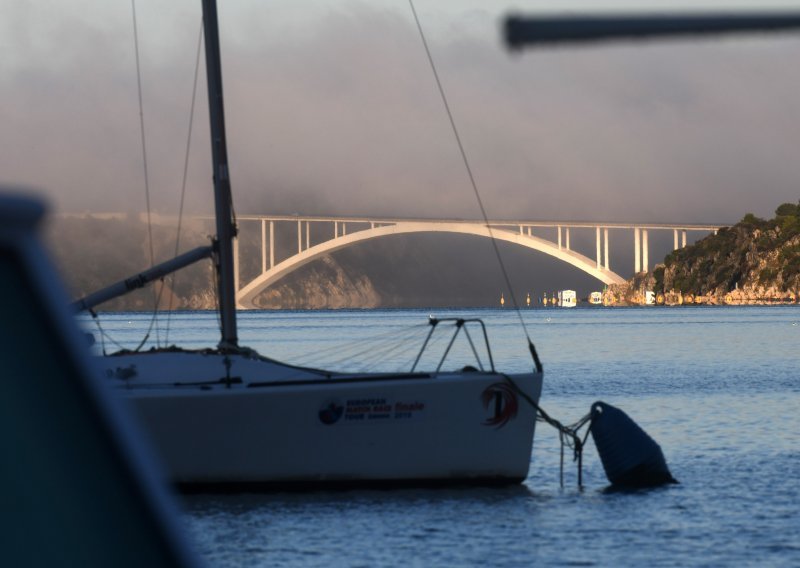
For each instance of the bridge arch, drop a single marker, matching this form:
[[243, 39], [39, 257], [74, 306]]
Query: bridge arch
[[247, 294]]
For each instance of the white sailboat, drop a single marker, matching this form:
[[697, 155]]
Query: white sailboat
[[231, 418]]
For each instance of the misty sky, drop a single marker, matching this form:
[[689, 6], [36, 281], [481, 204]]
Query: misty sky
[[332, 108]]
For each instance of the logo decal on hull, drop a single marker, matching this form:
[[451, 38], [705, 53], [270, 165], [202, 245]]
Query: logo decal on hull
[[371, 410], [331, 412], [501, 400]]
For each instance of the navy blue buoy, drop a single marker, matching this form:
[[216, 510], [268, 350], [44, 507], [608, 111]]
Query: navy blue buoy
[[630, 457]]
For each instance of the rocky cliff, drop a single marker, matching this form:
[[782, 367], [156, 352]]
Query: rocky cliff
[[322, 284], [756, 261]]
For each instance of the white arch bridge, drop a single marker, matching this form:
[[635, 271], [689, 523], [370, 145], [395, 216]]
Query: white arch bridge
[[346, 231]]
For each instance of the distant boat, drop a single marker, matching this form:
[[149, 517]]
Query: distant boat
[[232, 418], [596, 298]]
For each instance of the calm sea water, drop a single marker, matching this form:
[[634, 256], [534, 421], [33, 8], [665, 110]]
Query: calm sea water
[[718, 388]]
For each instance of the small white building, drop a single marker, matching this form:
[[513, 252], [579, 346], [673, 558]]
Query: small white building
[[567, 299]]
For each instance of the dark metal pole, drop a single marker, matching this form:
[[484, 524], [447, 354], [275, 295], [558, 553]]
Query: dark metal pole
[[523, 31], [226, 230]]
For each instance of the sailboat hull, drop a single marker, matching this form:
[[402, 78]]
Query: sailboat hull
[[303, 429]]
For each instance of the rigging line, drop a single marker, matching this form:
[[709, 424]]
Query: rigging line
[[104, 334], [391, 335], [355, 349], [345, 351], [156, 297], [366, 349], [185, 172], [360, 352], [382, 351], [469, 173]]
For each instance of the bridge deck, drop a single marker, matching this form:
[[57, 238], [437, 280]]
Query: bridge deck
[[492, 222]]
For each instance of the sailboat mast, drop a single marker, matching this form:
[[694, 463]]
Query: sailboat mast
[[226, 230]]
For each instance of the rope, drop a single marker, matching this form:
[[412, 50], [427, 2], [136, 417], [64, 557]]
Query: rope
[[568, 435], [103, 334], [185, 174], [474, 186], [156, 297]]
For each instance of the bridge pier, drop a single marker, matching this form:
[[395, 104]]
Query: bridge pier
[[605, 239], [645, 250], [299, 237], [263, 246], [641, 259], [683, 238], [597, 246]]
